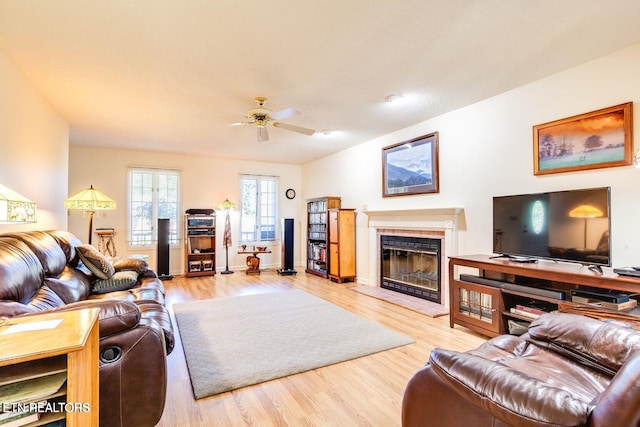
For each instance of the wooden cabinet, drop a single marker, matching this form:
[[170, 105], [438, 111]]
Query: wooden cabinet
[[342, 244], [200, 245], [67, 352], [477, 307], [318, 233], [501, 296]]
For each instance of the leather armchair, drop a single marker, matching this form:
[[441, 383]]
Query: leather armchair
[[568, 370]]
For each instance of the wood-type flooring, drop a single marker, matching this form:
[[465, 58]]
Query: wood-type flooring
[[362, 392]]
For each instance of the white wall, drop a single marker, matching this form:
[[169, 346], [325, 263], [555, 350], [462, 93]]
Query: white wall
[[486, 149], [206, 181], [33, 149]]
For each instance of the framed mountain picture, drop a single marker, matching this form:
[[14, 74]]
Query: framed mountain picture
[[411, 167]]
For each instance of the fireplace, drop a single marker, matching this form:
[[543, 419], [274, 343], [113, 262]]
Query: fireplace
[[411, 265], [440, 224]]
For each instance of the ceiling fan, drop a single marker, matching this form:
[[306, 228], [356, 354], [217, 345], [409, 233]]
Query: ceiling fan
[[261, 117]]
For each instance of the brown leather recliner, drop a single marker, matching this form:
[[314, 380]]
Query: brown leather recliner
[[40, 272], [568, 370]]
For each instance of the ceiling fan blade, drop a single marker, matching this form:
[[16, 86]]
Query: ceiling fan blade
[[239, 124], [293, 128], [263, 135], [285, 114]]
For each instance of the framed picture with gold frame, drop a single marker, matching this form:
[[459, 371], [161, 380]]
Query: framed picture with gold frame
[[599, 139], [411, 167]]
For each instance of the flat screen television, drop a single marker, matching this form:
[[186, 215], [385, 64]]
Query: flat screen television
[[572, 225]]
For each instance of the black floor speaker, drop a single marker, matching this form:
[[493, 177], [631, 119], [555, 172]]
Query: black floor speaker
[[163, 249], [287, 247]]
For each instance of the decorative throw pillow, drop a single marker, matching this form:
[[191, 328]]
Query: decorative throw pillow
[[133, 264], [120, 281], [97, 263]]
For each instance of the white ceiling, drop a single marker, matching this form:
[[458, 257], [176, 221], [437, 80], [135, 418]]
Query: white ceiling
[[171, 75]]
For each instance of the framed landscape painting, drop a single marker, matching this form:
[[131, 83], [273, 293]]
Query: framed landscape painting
[[599, 139], [411, 167]]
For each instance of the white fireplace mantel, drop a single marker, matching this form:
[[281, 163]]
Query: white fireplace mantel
[[437, 218], [443, 221]]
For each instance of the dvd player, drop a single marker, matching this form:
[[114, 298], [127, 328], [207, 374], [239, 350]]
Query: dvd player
[[600, 294], [628, 271], [543, 292]]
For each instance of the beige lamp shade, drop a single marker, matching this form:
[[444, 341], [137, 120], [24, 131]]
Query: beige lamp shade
[[90, 199], [15, 208]]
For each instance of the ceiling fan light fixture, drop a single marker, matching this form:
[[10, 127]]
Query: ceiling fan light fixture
[[263, 134], [259, 113], [261, 117]]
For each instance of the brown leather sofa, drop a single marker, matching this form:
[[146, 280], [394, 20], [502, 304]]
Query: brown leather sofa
[[567, 370], [40, 272]]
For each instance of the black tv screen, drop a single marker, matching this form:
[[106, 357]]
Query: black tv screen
[[568, 225]]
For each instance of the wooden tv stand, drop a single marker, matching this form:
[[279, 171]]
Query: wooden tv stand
[[487, 309]]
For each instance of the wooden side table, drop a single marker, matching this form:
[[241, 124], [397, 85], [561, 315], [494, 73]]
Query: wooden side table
[[253, 262], [71, 346]]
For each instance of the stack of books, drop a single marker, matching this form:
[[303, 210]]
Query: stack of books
[[526, 311]]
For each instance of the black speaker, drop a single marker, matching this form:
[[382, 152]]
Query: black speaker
[[287, 247], [163, 249]]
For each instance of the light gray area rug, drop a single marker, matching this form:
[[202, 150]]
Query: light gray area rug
[[238, 341]]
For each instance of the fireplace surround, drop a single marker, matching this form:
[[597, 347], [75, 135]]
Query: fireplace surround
[[440, 224]]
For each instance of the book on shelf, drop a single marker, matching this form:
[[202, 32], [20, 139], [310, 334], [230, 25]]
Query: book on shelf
[[533, 310], [9, 415], [32, 389], [17, 419], [464, 299], [524, 313], [486, 301], [474, 304]]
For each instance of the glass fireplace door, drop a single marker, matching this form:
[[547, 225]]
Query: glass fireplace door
[[411, 266]]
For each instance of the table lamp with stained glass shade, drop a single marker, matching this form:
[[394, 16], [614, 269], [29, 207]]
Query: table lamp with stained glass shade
[[15, 208], [90, 200]]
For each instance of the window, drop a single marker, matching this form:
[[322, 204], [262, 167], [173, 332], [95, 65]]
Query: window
[[153, 194], [258, 210]]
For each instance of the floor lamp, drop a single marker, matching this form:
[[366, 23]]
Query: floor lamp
[[90, 200], [226, 206]]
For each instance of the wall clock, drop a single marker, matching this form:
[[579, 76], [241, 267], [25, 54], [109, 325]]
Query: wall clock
[[290, 193]]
